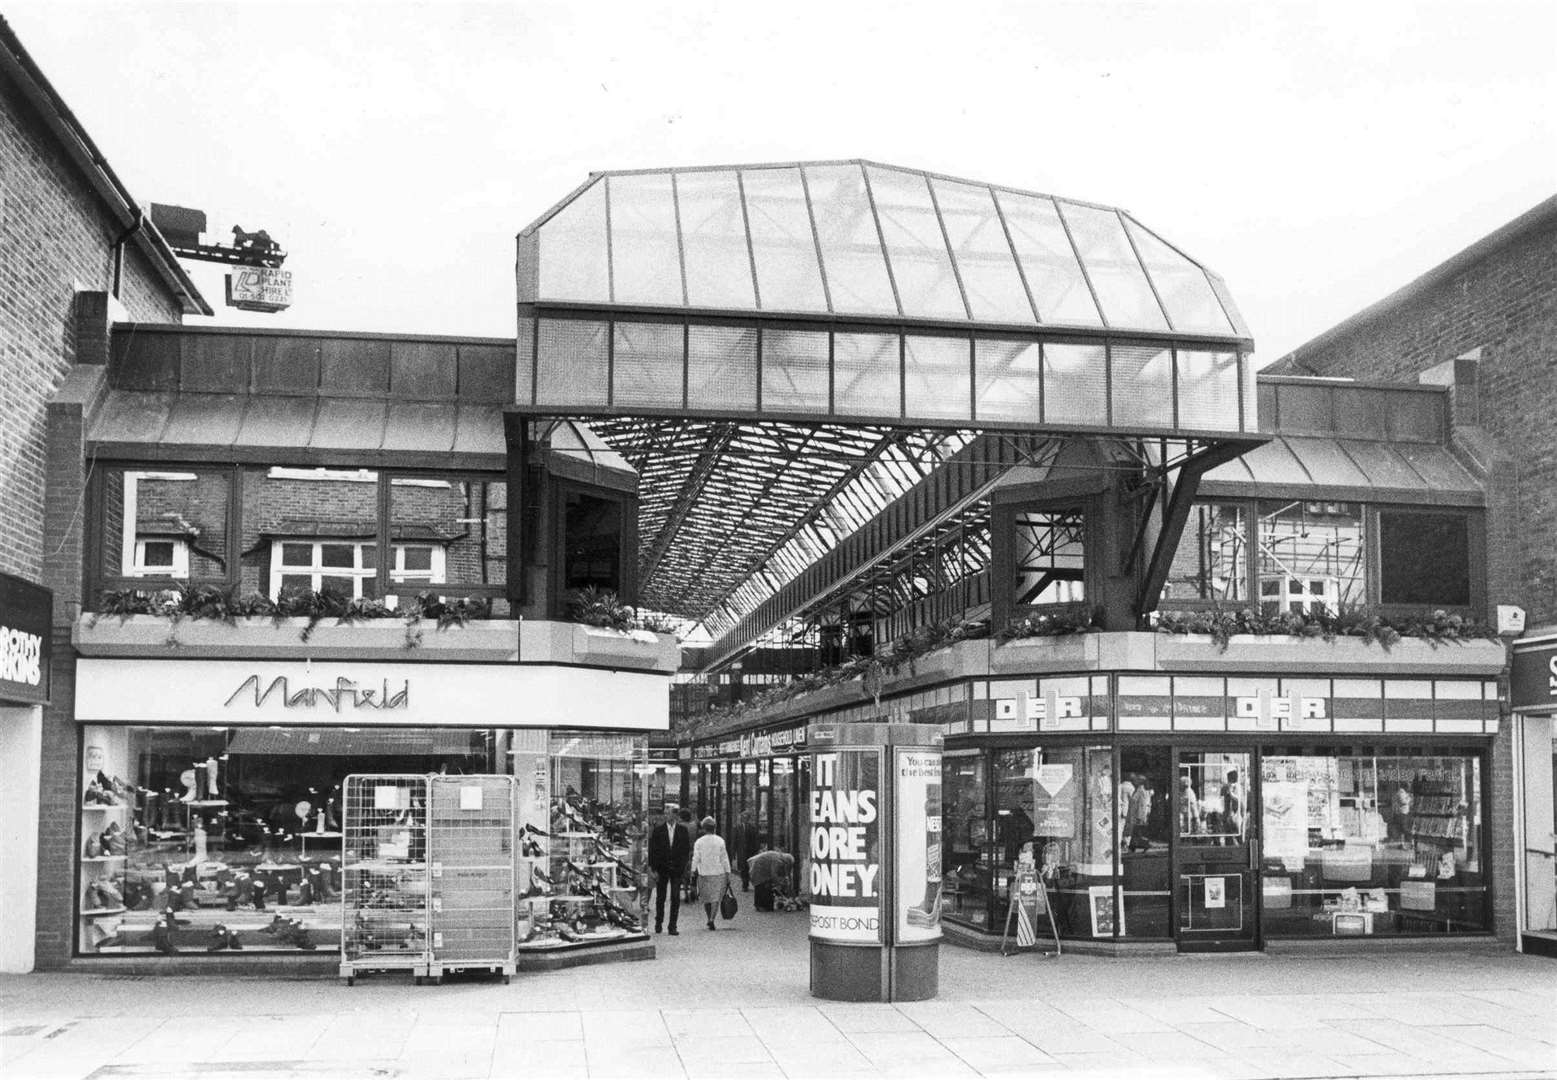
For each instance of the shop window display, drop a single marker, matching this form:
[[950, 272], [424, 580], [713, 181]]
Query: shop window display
[[1059, 800], [582, 869], [1144, 826], [1372, 844], [967, 857], [205, 839]]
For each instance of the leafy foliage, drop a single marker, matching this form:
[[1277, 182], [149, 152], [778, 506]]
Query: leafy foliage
[[1438, 628], [1051, 624], [196, 602], [603, 608]]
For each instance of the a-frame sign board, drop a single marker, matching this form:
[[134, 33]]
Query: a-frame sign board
[[1029, 899]]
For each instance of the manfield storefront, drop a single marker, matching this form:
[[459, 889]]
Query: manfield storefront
[[211, 789], [1197, 800]]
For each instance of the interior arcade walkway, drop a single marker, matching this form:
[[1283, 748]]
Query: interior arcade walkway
[[735, 1003]]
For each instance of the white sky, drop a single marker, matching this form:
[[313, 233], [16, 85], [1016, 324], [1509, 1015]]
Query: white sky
[[1318, 155]]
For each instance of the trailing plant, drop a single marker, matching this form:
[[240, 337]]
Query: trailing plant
[[211, 602], [1051, 624], [1352, 622]]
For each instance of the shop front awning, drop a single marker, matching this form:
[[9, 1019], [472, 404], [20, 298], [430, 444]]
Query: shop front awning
[[1346, 470]]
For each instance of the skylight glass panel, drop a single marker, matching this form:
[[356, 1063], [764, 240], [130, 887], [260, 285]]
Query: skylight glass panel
[[1006, 379], [938, 377], [978, 241], [645, 256], [1074, 384], [916, 247], [1185, 291], [571, 363], [647, 365], [1115, 272], [866, 375], [1208, 390], [572, 250], [794, 371], [713, 239], [783, 245], [1141, 382], [1059, 289], [852, 258], [722, 367]]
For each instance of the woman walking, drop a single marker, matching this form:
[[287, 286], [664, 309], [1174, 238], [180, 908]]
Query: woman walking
[[711, 864]]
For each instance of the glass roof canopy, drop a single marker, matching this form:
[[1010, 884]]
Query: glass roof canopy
[[856, 238], [783, 350]]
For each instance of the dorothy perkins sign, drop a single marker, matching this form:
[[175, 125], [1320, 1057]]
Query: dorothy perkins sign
[[25, 612], [1533, 678]]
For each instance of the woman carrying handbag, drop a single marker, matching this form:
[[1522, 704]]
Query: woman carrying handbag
[[711, 864]]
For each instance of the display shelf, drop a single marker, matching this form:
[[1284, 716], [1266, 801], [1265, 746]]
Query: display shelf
[[103, 858], [93, 913], [105, 806], [382, 866]]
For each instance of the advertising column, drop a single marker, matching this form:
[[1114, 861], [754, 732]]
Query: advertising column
[[875, 848], [846, 846], [918, 909]]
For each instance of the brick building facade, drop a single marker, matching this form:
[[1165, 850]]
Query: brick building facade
[[77, 255], [1484, 324]]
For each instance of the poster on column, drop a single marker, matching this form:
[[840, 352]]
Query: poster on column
[[918, 849], [846, 846]]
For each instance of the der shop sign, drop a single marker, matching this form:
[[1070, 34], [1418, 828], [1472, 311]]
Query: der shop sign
[[1532, 683], [26, 611]]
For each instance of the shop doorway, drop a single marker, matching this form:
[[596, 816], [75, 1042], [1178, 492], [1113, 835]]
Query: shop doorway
[[1215, 850]]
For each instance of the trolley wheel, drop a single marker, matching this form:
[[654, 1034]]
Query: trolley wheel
[[437, 980], [418, 981], [508, 980], [351, 980]]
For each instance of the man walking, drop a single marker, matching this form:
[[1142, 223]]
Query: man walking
[[670, 849]]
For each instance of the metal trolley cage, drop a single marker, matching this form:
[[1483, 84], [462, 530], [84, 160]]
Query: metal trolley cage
[[385, 898], [471, 851]]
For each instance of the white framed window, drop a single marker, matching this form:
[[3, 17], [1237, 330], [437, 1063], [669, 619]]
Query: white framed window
[[350, 567], [1280, 593], [160, 556]]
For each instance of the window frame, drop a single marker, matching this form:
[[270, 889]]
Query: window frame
[[1476, 556], [178, 570], [359, 573], [98, 542]]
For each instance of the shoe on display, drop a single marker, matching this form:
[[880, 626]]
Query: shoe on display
[[277, 922], [93, 848], [162, 935], [218, 938]]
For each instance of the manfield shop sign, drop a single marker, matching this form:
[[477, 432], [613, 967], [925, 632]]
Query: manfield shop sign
[[1532, 683], [25, 613], [234, 692]]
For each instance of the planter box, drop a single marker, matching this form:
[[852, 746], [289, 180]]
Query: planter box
[[1072, 652], [152, 636], [545, 642], [1302, 655]]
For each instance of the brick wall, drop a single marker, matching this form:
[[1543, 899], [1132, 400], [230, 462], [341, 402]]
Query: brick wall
[[1504, 304], [56, 267], [57, 239]]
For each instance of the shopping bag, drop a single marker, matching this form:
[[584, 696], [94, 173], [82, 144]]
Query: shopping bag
[[728, 905]]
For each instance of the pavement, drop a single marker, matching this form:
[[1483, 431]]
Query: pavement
[[735, 1003]]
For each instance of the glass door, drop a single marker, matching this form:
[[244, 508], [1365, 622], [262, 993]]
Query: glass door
[[1214, 850]]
